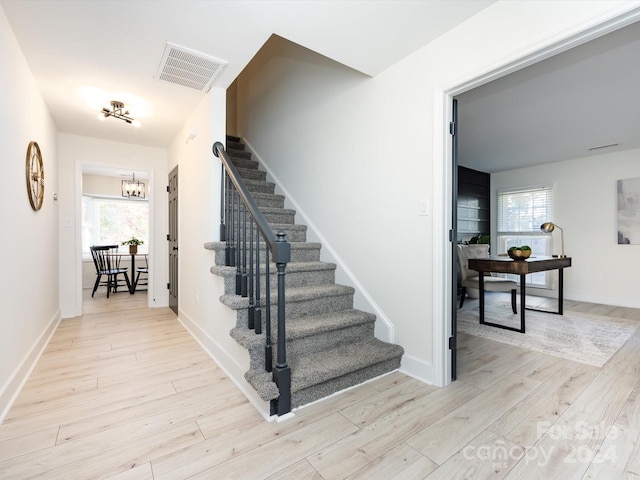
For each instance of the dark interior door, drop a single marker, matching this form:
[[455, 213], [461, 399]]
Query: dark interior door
[[453, 235], [172, 237]]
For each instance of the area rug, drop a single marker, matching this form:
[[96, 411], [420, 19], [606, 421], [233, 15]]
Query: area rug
[[585, 338]]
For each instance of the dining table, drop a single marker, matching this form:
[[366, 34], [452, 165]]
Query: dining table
[[132, 268]]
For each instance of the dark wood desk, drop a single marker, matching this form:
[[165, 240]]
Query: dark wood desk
[[522, 268]]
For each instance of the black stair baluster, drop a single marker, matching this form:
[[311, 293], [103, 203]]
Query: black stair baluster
[[243, 288], [229, 249], [223, 203], [252, 305], [257, 318], [268, 351], [236, 213]]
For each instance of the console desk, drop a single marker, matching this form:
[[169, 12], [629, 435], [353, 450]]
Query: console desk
[[522, 268]]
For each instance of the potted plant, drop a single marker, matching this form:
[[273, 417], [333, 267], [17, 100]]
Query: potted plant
[[133, 243]]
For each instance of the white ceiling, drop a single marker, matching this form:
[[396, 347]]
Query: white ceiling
[[556, 109], [84, 54]]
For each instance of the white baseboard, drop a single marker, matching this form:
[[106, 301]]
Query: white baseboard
[[12, 388], [230, 364], [604, 299], [419, 369]]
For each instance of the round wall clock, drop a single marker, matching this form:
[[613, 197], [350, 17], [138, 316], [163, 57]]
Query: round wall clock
[[35, 176]]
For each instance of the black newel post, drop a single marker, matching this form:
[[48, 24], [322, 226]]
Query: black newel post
[[282, 372]]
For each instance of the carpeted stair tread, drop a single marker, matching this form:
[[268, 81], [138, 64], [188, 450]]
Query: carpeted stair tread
[[299, 294], [301, 327], [277, 210], [286, 227], [269, 200], [235, 144], [294, 245], [245, 163], [252, 174], [300, 251], [313, 324], [262, 382], [357, 361], [292, 267], [260, 186], [234, 153], [299, 274], [322, 366]]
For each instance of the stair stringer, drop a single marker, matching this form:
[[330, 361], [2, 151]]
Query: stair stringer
[[384, 328]]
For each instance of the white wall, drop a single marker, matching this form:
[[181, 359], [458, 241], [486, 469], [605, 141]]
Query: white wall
[[199, 291], [29, 293], [357, 155], [75, 152], [101, 185], [584, 205]]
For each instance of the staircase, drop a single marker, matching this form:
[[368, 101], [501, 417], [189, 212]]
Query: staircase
[[330, 345]]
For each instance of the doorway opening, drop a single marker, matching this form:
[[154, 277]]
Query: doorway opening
[[444, 269], [107, 217]]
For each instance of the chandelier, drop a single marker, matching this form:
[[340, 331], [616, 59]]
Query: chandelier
[[133, 188], [118, 111]]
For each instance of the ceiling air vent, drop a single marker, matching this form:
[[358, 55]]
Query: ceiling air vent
[[188, 68]]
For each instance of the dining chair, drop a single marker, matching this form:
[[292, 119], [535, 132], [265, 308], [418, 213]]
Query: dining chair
[[469, 278], [115, 258], [106, 265], [142, 271]]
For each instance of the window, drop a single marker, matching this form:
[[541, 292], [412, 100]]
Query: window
[[110, 221], [520, 214]]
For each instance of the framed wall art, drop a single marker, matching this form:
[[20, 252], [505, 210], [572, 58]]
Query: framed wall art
[[628, 215]]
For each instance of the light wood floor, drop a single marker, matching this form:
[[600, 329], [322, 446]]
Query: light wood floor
[[123, 392]]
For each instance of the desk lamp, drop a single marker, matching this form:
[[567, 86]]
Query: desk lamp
[[549, 227]]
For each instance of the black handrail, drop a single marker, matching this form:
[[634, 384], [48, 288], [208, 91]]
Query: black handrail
[[238, 202]]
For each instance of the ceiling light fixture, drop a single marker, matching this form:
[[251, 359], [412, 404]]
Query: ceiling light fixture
[[133, 188], [118, 111]]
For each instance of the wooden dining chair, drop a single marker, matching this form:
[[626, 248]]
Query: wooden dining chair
[[105, 264], [142, 271]]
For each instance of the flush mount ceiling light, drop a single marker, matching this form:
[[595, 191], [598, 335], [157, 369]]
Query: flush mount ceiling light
[[133, 188], [118, 111]]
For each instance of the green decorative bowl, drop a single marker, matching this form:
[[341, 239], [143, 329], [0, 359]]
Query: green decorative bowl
[[519, 255]]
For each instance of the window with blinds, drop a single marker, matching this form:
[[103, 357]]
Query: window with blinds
[[524, 210], [519, 216]]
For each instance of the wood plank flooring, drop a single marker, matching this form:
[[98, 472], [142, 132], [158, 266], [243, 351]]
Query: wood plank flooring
[[124, 393]]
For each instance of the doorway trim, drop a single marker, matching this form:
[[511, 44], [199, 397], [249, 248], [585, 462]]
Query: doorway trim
[[79, 166], [442, 172]]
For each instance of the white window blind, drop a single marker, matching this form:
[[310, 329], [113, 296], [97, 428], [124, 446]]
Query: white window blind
[[524, 211], [520, 214]]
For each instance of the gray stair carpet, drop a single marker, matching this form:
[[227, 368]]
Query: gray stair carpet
[[330, 345]]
